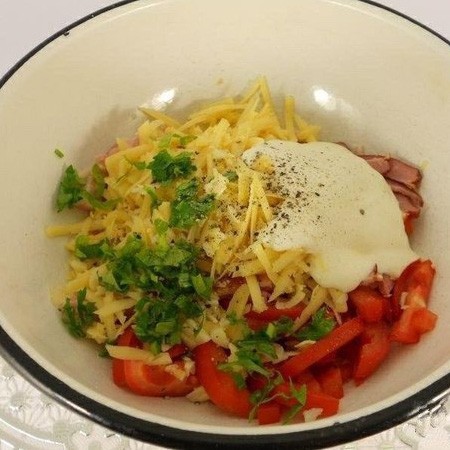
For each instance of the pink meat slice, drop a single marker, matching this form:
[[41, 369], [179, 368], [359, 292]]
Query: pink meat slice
[[377, 162], [403, 173]]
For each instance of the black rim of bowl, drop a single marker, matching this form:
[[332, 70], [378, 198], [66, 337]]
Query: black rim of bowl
[[162, 435]]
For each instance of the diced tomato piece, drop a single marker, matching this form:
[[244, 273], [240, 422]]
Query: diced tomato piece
[[129, 339], [330, 381], [271, 314], [256, 381], [268, 413], [328, 404], [308, 379], [282, 393], [315, 352], [177, 350], [369, 303], [412, 324], [142, 379], [424, 320], [374, 350], [413, 287], [219, 385], [155, 381]]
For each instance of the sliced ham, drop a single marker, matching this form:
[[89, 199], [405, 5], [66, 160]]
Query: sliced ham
[[378, 162], [403, 173]]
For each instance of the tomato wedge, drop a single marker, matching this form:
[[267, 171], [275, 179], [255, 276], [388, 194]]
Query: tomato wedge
[[219, 385], [409, 303], [369, 303], [315, 352], [142, 379], [155, 381], [330, 381], [412, 324], [268, 413], [374, 350], [413, 286]]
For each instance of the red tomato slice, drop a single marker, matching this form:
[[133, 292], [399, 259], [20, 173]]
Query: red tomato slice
[[142, 379], [268, 413], [309, 380], [315, 352], [374, 350], [219, 385], [128, 339], [155, 381], [369, 303], [414, 284], [412, 324], [328, 404], [411, 292], [330, 381]]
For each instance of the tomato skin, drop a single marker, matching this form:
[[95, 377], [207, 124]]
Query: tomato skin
[[374, 350], [330, 381], [409, 303], [412, 324], [314, 353], [219, 385], [142, 379], [268, 413], [369, 303], [309, 380], [328, 404], [155, 381], [414, 284]]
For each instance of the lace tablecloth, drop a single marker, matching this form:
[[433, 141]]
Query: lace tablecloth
[[30, 420]]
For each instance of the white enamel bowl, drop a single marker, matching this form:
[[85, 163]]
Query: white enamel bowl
[[367, 76]]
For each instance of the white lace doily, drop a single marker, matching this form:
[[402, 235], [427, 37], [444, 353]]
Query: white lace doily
[[30, 420]]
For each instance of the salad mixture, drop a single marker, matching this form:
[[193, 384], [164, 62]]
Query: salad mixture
[[234, 258]]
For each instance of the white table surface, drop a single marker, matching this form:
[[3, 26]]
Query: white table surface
[[28, 420]]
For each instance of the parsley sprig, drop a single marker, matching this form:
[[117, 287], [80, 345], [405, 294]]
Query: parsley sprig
[[189, 206], [79, 316], [167, 274], [321, 324], [72, 189]]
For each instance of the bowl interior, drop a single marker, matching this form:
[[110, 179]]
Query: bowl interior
[[366, 76]]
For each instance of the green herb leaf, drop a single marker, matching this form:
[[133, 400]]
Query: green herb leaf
[[299, 394], [188, 207], [59, 153], [70, 190], [78, 318], [86, 250], [319, 327], [166, 168], [153, 196], [105, 205]]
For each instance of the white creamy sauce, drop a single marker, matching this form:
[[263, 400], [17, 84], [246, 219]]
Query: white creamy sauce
[[338, 209]]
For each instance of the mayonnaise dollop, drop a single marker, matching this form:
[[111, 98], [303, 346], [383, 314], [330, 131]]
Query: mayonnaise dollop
[[337, 208]]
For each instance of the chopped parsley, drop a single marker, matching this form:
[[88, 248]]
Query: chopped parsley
[[188, 207], [167, 274], [71, 190], [166, 168], [255, 349], [59, 153], [319, 327], [231, 175], [86, 250], [77, 318]]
